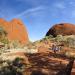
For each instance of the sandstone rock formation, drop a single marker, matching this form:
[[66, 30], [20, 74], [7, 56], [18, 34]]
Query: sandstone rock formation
[[61, 29], [15, 30]]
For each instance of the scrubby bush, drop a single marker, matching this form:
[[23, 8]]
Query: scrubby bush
[[59, 38], [15, 44], [3, 33], [5, 41], [49, 37], [71, 42], [15, 67]]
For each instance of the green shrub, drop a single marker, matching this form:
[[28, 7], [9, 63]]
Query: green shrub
[[13, 68], [71, 42]]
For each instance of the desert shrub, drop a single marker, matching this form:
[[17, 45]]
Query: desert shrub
[[59, 38], [71, 42], [13, 68], [18, 62], [15, 44], [50, 37], [3, 33], [5, 40], [45, 38]]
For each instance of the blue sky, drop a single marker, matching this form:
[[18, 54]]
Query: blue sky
[[38, 15]]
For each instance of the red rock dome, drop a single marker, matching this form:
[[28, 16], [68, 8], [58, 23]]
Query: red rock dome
[[15, 29], [61, 29]]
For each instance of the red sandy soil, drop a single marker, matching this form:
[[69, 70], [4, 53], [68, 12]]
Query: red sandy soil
[[46, 63]]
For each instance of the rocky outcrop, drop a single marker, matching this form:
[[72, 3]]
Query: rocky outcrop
[[15, 30], [61, 29]]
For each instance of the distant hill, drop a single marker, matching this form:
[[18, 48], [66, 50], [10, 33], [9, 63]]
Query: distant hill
[[61, 29], [15, 30]]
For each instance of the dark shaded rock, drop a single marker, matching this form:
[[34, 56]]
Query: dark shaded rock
[[62, 29]]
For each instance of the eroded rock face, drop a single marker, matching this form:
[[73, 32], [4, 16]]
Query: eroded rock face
[[15, 30], [61, 29]]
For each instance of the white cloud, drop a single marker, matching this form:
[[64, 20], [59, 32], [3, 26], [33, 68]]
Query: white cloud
[[29, 11], [72, 2], [60, 5]]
